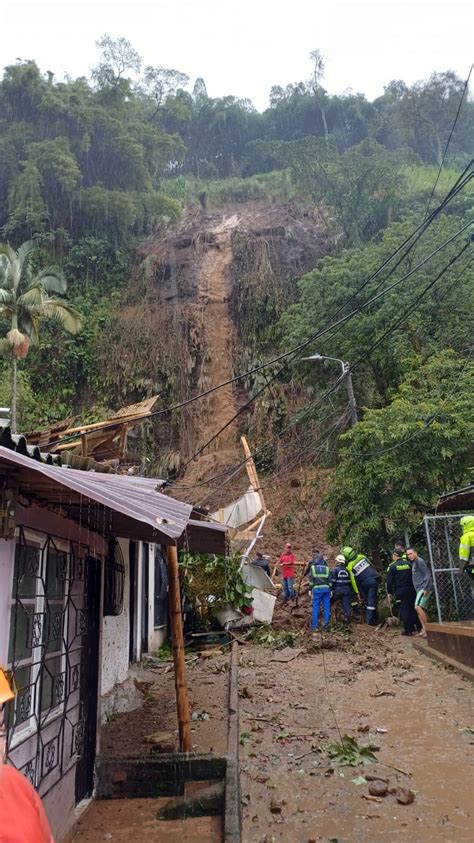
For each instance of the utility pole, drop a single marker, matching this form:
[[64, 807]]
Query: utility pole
[[346, 372], [350, 394]]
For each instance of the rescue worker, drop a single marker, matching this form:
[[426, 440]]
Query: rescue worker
[[319, 580], [366, 580], [400, 587], [466, 550], [343, 587]]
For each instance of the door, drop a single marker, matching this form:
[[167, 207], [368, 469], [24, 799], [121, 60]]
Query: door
[[89, 691], [132, 649], [145, 595]]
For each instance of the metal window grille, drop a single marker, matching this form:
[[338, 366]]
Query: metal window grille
[[452, 590], [114, 580], [48, 619]]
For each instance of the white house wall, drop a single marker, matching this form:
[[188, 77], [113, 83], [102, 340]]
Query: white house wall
[[116, 636]]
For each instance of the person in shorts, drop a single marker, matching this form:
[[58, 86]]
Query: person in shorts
[[423, 584]]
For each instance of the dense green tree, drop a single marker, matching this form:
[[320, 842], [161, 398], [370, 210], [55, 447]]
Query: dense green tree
[[395, 463], [360, 186], [437, 321]]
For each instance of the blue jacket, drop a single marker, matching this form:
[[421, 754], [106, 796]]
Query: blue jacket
[[341, 581]]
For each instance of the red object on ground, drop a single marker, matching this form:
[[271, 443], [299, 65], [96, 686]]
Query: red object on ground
[[22, 816], [247, 610], [287, 562]]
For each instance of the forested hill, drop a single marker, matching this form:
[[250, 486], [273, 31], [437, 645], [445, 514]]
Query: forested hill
[[162, 204]]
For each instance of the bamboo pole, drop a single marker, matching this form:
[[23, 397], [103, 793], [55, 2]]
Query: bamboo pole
[[177, 638]]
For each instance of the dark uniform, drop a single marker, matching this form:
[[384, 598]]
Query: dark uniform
[[400, 584], [342, 590], [367, 581]]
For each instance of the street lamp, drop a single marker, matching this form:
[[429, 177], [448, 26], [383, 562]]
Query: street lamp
[[346, 373]]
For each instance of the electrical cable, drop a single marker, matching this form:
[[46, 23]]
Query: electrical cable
[[460, 183], [412, 305], [427, 424], [239, 467], [463, 94], [384, 336], [312, 406], [341, 321]]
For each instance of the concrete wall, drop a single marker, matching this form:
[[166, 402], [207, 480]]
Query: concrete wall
[[7, 559], [116, 636]]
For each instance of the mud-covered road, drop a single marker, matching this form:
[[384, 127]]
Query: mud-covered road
[[376, 687]]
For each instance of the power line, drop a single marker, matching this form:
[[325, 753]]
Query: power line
[[384, 336], [427, 424], [466, 85], [413, 304], [341, 321], [237, 467], [460, 183]]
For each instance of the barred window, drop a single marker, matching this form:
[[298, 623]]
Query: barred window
[[114, 580]]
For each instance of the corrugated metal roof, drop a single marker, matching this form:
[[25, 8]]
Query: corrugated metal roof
[[136, 509], [17, 442], [457, 501]]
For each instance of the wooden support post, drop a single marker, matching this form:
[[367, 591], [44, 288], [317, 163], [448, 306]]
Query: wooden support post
[[84, 445], [252, 472], [123, 441], [177, 638]]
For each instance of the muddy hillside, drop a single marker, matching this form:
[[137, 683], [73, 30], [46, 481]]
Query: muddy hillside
[[202, 306]]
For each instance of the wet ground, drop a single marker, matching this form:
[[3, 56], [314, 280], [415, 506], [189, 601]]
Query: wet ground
[[126, 734], [377, 688], [124, 820]]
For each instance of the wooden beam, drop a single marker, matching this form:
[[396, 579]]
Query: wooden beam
[[84, 445], [123, 441], [87, 428], [177, 638], [252, 472]]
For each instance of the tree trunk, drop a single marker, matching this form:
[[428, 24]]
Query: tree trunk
[[14, 394], [325, 124]]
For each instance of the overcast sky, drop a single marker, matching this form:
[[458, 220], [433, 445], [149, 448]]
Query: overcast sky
[[243, 47]]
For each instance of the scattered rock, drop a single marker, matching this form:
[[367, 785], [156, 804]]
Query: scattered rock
[[162, 741], [245, 694], [276, 806], [378, 788], [364, 728], [404, 796]]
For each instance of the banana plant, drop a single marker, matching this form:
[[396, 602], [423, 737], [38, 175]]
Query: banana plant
[[27, 297]]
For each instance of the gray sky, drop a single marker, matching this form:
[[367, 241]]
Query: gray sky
[[243, 47]]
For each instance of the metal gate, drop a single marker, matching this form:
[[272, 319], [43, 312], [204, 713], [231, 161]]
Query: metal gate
[[452, 590], [49, 620]]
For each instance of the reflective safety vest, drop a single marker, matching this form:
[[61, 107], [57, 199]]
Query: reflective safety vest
[[466, 549], [320, 576], [361, 565], [358, 565]]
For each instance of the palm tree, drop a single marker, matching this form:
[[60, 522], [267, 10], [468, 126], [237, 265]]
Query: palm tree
[[27, 296]]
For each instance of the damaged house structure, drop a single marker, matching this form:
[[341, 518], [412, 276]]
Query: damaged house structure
[[79, 552]]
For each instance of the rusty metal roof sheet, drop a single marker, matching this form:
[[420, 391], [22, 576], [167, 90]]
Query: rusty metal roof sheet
[[130, 506]]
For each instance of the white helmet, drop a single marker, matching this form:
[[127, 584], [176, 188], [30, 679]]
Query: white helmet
[[340, 559]]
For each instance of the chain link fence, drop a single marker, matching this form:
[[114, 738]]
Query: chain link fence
[[452, 590]]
